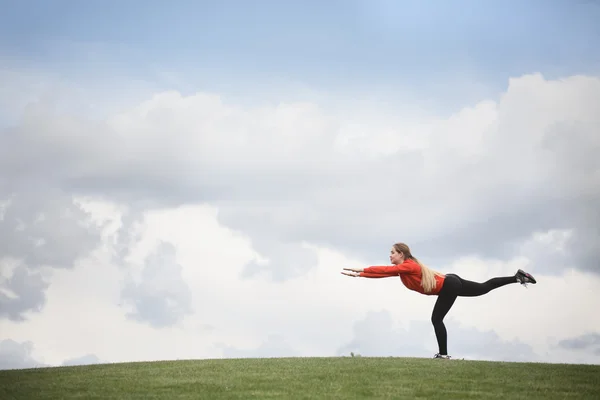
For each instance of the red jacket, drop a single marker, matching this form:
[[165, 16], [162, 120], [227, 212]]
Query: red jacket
[[409, 272]]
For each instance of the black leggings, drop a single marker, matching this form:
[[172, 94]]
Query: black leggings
[[455, 286]]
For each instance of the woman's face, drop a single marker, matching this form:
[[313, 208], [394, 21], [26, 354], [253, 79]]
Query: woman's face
[[395, 257]]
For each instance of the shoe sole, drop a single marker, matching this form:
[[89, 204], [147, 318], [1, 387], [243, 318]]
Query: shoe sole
[[528, 276]]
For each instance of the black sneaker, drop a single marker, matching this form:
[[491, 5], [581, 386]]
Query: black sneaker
[[443, 356], [524, 278]]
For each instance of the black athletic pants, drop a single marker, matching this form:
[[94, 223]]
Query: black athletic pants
[[455, 286]]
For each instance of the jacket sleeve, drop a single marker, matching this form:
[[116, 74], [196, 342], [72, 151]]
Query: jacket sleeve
[[373, 275], [391, 270]]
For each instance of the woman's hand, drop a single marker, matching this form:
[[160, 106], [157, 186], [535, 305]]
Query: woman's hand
[[354, 269], [354, 272]]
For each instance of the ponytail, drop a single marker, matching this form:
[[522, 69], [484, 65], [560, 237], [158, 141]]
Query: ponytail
[[427, 276]]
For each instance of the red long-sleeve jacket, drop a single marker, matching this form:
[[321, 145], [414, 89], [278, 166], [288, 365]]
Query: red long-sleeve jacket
[[409, 272]]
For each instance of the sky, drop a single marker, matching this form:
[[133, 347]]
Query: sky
[[187, 181]]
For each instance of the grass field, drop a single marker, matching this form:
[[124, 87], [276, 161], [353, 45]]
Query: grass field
[[306, 378]]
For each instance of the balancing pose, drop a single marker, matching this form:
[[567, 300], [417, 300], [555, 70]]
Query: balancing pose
[[418, 277]]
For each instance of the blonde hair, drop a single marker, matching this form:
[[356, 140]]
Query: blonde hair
[[428, 275]]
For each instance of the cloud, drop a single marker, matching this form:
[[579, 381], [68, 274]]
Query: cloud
[[313, 314], [376, 335], [279, 264], [128, 235], [160, 296], [41, 228], [258, 207], [15, 355], [23, 291], [589, 342], [479, 182]]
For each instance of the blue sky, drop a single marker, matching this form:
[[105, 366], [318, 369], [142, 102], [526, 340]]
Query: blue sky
[[380, 45]]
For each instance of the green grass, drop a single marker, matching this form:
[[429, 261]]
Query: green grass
[[306, 378]]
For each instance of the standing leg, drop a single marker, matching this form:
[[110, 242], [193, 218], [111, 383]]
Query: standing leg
[[446, 299]]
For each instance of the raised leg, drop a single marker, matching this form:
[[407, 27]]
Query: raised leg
[[472, 289]]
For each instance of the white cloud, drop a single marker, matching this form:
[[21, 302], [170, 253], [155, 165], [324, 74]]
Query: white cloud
[[15, 355], [376, 335], [41, 228], [159, 295], [265, 204], [310, 315]]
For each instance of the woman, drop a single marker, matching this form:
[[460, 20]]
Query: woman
[[418, 277]]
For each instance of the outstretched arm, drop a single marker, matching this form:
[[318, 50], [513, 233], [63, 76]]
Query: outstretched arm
[[372, 275], [359, 272], [393, 270], [383, 271]]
